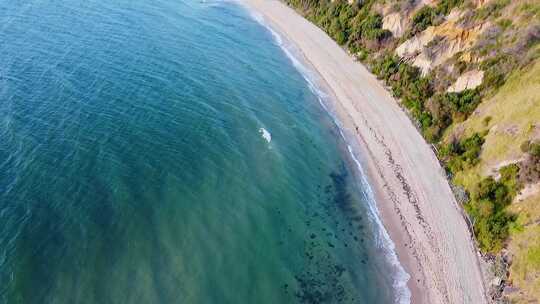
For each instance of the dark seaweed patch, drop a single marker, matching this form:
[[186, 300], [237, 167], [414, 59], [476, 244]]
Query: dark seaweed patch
[[324, 279]]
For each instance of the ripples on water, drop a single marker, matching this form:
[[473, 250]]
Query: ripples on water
[[132, 169]]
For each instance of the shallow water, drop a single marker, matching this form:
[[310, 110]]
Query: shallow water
[[169, 152]]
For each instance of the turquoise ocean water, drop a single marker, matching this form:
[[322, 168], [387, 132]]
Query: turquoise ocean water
[[171, 152]]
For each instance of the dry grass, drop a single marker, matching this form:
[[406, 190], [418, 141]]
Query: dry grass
[[525, 249], [511, 116], [514, 117]]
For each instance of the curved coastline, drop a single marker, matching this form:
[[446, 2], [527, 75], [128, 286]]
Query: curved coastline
[[406, 183], [402, 293]]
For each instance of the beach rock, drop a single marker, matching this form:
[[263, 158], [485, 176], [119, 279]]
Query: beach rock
[[468, 81]]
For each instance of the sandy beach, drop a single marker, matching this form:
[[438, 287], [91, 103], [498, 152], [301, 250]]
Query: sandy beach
[[417, 205]]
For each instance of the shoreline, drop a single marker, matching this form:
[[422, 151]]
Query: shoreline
[[325, 97], [412, 195]]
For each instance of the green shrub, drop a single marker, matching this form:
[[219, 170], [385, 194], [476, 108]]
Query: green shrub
[[369, 28], [534, 149], [335, 19], [359, 50], [491, 231], [445, 6], [491, 190], [497, 69], [417, 87], [414, 90], [447, 108], [487, 208], [463, 102], [337, 31], [530, 9], [463, 153], [422, 19], [385, 67], [504, 23], [510, 177]]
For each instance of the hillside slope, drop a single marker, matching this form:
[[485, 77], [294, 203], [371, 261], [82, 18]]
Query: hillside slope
[[510, 118]]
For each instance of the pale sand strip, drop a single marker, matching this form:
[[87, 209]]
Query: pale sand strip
[[413, 195]]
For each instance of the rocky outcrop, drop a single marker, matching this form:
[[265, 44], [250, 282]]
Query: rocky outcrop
[[426, 53], [395, 24], [416, 44], [468, 81]]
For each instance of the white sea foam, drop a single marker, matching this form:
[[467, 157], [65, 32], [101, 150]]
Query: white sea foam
[[403, 294], [266, 135], [401, 277]]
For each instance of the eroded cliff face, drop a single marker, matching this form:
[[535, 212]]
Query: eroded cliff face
[[437, 44], [395, 23]]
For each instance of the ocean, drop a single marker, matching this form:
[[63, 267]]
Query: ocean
[[175, 152]]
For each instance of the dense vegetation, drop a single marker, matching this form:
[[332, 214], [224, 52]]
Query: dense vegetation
[[487, 208], [460, 154]]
